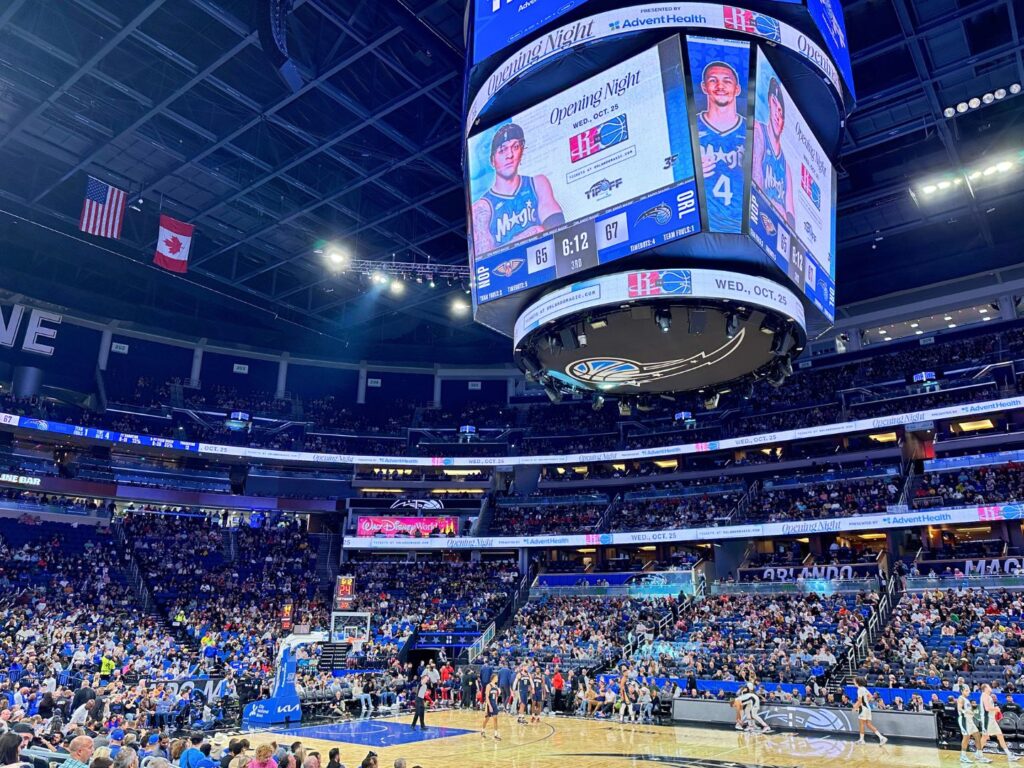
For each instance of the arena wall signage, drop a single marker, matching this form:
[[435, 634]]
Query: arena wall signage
[[993, 513], [750, 441], [35, 330], [7, 477], [792, 573], [407, 526], [917, 726], [184, 686], [646, 17], [995, 566]]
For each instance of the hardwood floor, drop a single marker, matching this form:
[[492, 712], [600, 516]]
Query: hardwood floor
[[453, 739]]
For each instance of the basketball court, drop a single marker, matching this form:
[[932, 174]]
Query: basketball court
[[453, 739]]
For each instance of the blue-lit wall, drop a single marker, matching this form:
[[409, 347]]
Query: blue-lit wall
[[314, 381], [218, 370], [410, 387], [456, 392], [149, 359]]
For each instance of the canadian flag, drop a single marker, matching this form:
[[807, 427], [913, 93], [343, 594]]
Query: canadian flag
[[173, 244]]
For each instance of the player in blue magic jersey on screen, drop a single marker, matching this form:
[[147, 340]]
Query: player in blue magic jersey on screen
[[771, 171], [722, 133], [515, 207]]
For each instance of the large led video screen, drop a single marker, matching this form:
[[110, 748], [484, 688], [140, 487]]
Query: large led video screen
[[602, 170], [828, 17], [720, 71], [499, 23], [792, 201]]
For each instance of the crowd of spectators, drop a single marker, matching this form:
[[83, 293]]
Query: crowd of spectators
[[226, 605], [535, 519], [668, 513], [780, 638], [834, 498], [403, 596], [970, 486], [67, 613], [580, 631], [936, 637]]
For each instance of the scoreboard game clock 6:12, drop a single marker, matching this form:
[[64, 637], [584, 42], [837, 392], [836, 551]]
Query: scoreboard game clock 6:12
[[575, 248]]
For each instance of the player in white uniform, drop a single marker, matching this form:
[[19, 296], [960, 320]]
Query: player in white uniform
[[748, 707], [990, 723], [863, 709], [968, 729]]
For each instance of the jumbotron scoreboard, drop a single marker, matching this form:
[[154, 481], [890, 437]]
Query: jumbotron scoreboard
[[650, 189]]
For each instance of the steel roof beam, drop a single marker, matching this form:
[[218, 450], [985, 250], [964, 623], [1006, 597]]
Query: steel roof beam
[[329, 14], [348, 188], [84, 70], [945, 134], [147, 116], [63, 56]]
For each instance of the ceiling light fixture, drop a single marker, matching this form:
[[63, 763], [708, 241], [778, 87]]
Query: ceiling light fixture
[[987, 98]]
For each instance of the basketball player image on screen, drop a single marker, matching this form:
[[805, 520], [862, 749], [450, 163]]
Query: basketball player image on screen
[[722, 133], [515, 207], [771, 171]]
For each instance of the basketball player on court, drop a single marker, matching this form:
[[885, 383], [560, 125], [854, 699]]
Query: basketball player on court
[[863, 708], [492, 703], [771, 172], [523, 688], [965, 719], [748, 708], [722, 133], [990, 723], [515, 207]]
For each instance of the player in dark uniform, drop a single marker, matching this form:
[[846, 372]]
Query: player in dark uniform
[[523, 686], [722, 133], [492, 705], [539, 691], [771, 172], [515, 207]]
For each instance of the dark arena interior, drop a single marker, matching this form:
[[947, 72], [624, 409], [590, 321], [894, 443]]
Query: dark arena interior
[[511, 383]]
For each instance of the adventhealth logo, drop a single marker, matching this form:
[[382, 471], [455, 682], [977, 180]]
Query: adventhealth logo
[[659, 21], [496, 5]]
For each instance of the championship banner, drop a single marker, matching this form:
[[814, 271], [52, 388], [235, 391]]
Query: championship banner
[[344, 593], [410, 526]]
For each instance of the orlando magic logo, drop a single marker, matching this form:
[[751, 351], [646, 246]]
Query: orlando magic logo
[[625, 372], [418, 504], [661, 214]]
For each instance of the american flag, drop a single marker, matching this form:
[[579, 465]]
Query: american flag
[[102, 210]]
